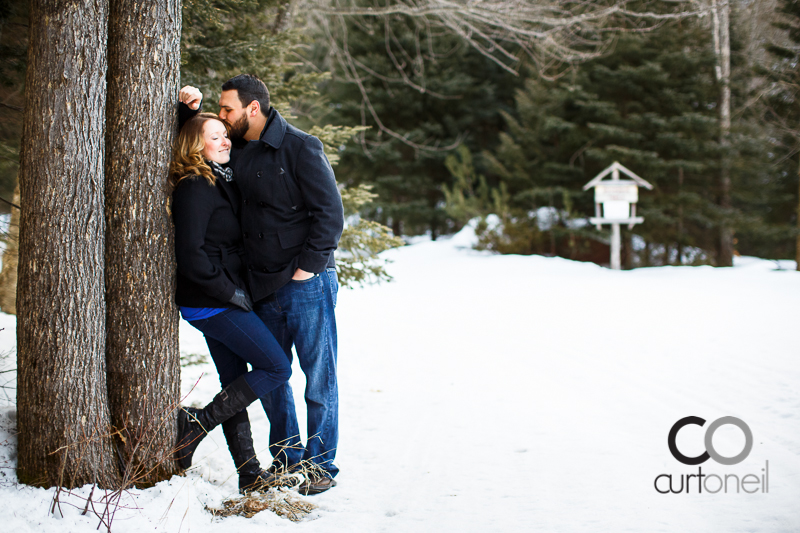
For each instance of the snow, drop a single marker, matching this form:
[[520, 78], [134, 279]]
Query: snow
[[499, 393]]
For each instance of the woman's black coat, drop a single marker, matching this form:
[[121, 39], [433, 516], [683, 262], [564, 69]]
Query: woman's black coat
[[208, 242]]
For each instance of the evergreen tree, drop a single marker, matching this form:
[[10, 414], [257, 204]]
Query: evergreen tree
[[13, 49], [781, 201], [222, 38], [649, 105], [425, 106]]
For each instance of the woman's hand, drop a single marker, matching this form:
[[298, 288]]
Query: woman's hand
[[191, 96], [241, 299]]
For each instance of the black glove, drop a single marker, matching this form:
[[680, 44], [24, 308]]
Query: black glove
[[241, 299]]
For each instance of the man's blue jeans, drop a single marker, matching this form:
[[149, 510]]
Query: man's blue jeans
[[302, 315], [235, 338]]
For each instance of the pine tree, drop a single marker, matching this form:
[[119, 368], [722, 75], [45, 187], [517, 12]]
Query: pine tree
[[782, 111], [223, 38], [425, 105], [13, 48], [229, 37], [649, 105]]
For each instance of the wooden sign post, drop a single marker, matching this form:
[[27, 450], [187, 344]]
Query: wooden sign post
[[618, 200]]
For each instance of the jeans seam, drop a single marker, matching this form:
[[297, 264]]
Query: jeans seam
[[330, 287]]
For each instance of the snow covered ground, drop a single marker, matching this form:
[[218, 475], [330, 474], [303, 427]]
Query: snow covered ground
[[505, 393]]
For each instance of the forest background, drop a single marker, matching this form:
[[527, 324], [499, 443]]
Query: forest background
[[431, 122], [453, 134]]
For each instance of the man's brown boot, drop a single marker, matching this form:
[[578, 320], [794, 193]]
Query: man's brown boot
[[316, 483]]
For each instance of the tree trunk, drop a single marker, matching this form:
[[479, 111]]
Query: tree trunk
[[8, 276], [679, 259], [142, 346], [722, 49], [62, 398]]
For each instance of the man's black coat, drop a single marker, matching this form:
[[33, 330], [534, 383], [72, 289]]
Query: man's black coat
[[208, 242], [291, 215]]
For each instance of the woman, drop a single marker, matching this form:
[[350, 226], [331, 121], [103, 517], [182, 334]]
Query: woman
[[212, 297]]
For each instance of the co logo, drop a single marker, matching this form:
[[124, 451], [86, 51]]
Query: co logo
[[710, 451]]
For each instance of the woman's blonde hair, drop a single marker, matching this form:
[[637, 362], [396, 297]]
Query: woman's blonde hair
[[187, 153]]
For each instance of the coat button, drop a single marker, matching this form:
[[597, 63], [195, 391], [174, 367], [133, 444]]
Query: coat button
[[245, 234], [258, 174], [264, 270], [260, 235], [246, 202], [262, 204], [250, 268]]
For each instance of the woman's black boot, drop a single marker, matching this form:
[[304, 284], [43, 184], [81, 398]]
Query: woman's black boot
[[240, 443], [194, 424]]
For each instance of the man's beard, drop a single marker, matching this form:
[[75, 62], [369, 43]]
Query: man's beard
[[239, 128]]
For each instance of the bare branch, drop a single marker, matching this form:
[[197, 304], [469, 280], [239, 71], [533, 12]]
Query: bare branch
[[552, 35], [12, 107]]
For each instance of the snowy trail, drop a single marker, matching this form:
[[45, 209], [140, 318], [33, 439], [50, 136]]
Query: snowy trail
[[549, 417], [504, 393]]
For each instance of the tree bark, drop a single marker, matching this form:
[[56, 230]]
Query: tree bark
[[722, 49], [142, 346], [8, 276], [62, 398]]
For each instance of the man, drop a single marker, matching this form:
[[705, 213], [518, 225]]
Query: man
[[292, 218]]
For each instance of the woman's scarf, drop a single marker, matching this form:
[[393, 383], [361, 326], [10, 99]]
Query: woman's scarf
[[223, 172]]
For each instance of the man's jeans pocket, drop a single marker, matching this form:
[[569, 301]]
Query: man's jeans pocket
[[302, 281]]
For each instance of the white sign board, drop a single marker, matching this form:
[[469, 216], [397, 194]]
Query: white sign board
[[616, 210], [618, 198], [616, 191]]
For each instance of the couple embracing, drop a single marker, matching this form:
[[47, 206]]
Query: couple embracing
[[257, 217]]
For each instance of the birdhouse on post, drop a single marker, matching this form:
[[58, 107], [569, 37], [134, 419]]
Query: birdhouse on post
[[615, 203]]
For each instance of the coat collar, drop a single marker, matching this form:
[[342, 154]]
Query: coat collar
[[274, 130]]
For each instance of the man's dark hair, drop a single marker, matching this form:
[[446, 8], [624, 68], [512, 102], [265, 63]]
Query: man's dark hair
[[249, 88]]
